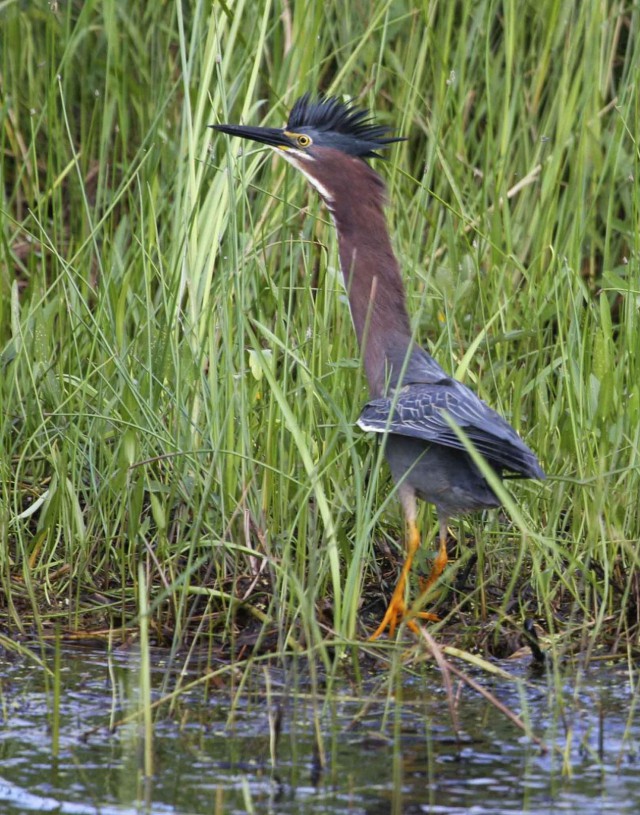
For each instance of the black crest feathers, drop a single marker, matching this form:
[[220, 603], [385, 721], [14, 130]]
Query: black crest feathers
[[354, 129]]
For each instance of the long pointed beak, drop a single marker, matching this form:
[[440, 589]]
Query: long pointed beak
[[264, 135]]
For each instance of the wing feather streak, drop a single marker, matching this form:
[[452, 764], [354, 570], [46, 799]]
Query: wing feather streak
[[417, 410]]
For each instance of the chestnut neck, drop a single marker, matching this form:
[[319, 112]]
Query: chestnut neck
[[356, 197]]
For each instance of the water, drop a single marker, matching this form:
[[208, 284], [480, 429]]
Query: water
[[366, 749]]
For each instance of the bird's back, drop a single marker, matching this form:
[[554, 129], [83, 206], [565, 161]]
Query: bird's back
[[425, 452]]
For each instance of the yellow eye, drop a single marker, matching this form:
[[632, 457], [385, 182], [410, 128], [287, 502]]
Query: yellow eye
[[303, 140]]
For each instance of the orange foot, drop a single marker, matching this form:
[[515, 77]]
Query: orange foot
[[397, 612]]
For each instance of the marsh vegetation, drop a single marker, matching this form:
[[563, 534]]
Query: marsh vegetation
[[179, 377]]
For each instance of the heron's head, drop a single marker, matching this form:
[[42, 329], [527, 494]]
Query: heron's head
[[322, 139]]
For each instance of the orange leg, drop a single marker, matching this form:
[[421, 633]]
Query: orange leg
[[397, 609], [441, 560]]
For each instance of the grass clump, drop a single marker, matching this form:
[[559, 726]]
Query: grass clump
[[179, 372]]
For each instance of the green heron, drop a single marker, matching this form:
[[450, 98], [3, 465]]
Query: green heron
[[413, 400]]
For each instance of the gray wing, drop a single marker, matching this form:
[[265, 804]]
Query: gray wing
[[418, 412]]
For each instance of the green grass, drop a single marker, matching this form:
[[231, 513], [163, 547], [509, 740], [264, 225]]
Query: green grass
[[175, 394]]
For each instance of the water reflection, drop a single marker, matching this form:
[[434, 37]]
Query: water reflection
[[277, 748]]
